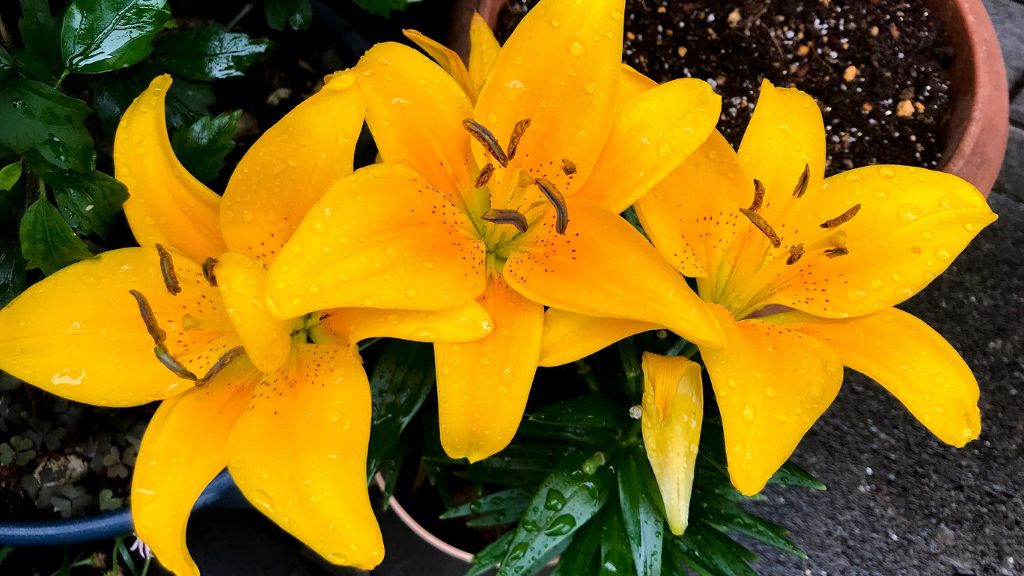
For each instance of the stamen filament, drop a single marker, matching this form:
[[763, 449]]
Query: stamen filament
[[172, 364], [486, 138], [842, 218], [146, 311], [558, 201], [167, 270]]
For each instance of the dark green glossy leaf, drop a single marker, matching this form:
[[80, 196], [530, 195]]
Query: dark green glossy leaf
[[581, 556], [616, 559], [103, 35], [381, 7], [12, 270], [47, 242], [597, 410], [501, 507], [208, 53], [187, 101], [6, 63], [717, 551], [792, 475], [402, 380], [390, 467], [89, 201], [642, 520], [9, 175], [568, 434], [294, 14], [566, 500], [633, 375], [39, 120], [728, 516], [202, 146], [40, 33], [489, 557]]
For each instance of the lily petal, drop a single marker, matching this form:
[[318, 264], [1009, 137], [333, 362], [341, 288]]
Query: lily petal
[[569, 337], [461, 324], [79, 333], [911, 225], [415, 111], [673, 410], [380, 238], [654, 133], [632, 83], [603, 267], [298, 453], [771, 384], [482, 386], [166, 204], [290, 167], [912, 361], [184, 448], [483, 52], [559, 69], [446, 58], [693, 216], [242, 282], [785, 135]]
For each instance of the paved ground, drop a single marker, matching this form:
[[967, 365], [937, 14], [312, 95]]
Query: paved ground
[[899, 502]]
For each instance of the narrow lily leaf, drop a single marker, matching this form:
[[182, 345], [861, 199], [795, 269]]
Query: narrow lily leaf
[[40, 33], [6, 63], [566, 500], [381, 7], [597, 410], [720, 552], [402, 380], [202, 146], [12, 271], [728, 516], [521, 463], [103, 35], [497, 508], [686, 553], [47, 242], [581, 556], [208, 53], [615, 555], [390, 467], [9, 175], [489, 557], [642, 520], [294, 14], [792, 475], [39, 120], [89, 201]]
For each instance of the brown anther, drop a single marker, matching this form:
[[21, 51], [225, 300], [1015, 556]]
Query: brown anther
[[558, 201], [221, 364], [208, 265], [167, 270], [517, 134], [801, 184], [842, 218], [486, 139], [505, 216], [568, 167], [763, 226], [758, 196], [172, 364], [833, 252], [795, 253], [146, 311], [485, 176]]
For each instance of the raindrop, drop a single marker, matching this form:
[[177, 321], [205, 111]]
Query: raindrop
[[561, 526], [554, 500], [576, 49]]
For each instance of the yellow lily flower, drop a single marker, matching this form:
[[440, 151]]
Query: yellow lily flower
[[283, 403], [673, 410], [804, 272], [526, 183]]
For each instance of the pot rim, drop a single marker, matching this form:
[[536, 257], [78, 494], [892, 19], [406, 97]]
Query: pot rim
[[424, 534]]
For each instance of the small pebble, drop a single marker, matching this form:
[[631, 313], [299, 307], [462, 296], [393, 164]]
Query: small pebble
[[905, 109], [850, 74]]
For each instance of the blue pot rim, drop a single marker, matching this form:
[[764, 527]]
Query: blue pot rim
[[100, 526]]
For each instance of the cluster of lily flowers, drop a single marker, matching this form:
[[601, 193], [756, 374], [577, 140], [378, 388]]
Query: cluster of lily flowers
[[491, 227]]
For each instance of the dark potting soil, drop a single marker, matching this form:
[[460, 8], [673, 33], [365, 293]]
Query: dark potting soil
[[876, 67]]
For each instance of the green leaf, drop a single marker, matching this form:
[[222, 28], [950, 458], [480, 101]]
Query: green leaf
[[5, 552], [402, 380], [565, 500], [89, 201], [39, 120], [581, 555], [47, 242], [615, 555], [202, 145], [6, 63], [729, 516], [187, 101], [40, 34], [294, 14], [12, 271], [208, 53], [792, 475], [104, 35], [9, 175], [381, 7], [597, 410], [716, 550], [498, 508], [489, 557], [642, 519]]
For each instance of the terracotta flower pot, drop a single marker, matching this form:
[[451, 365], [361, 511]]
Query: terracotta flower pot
[[978, 128]]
